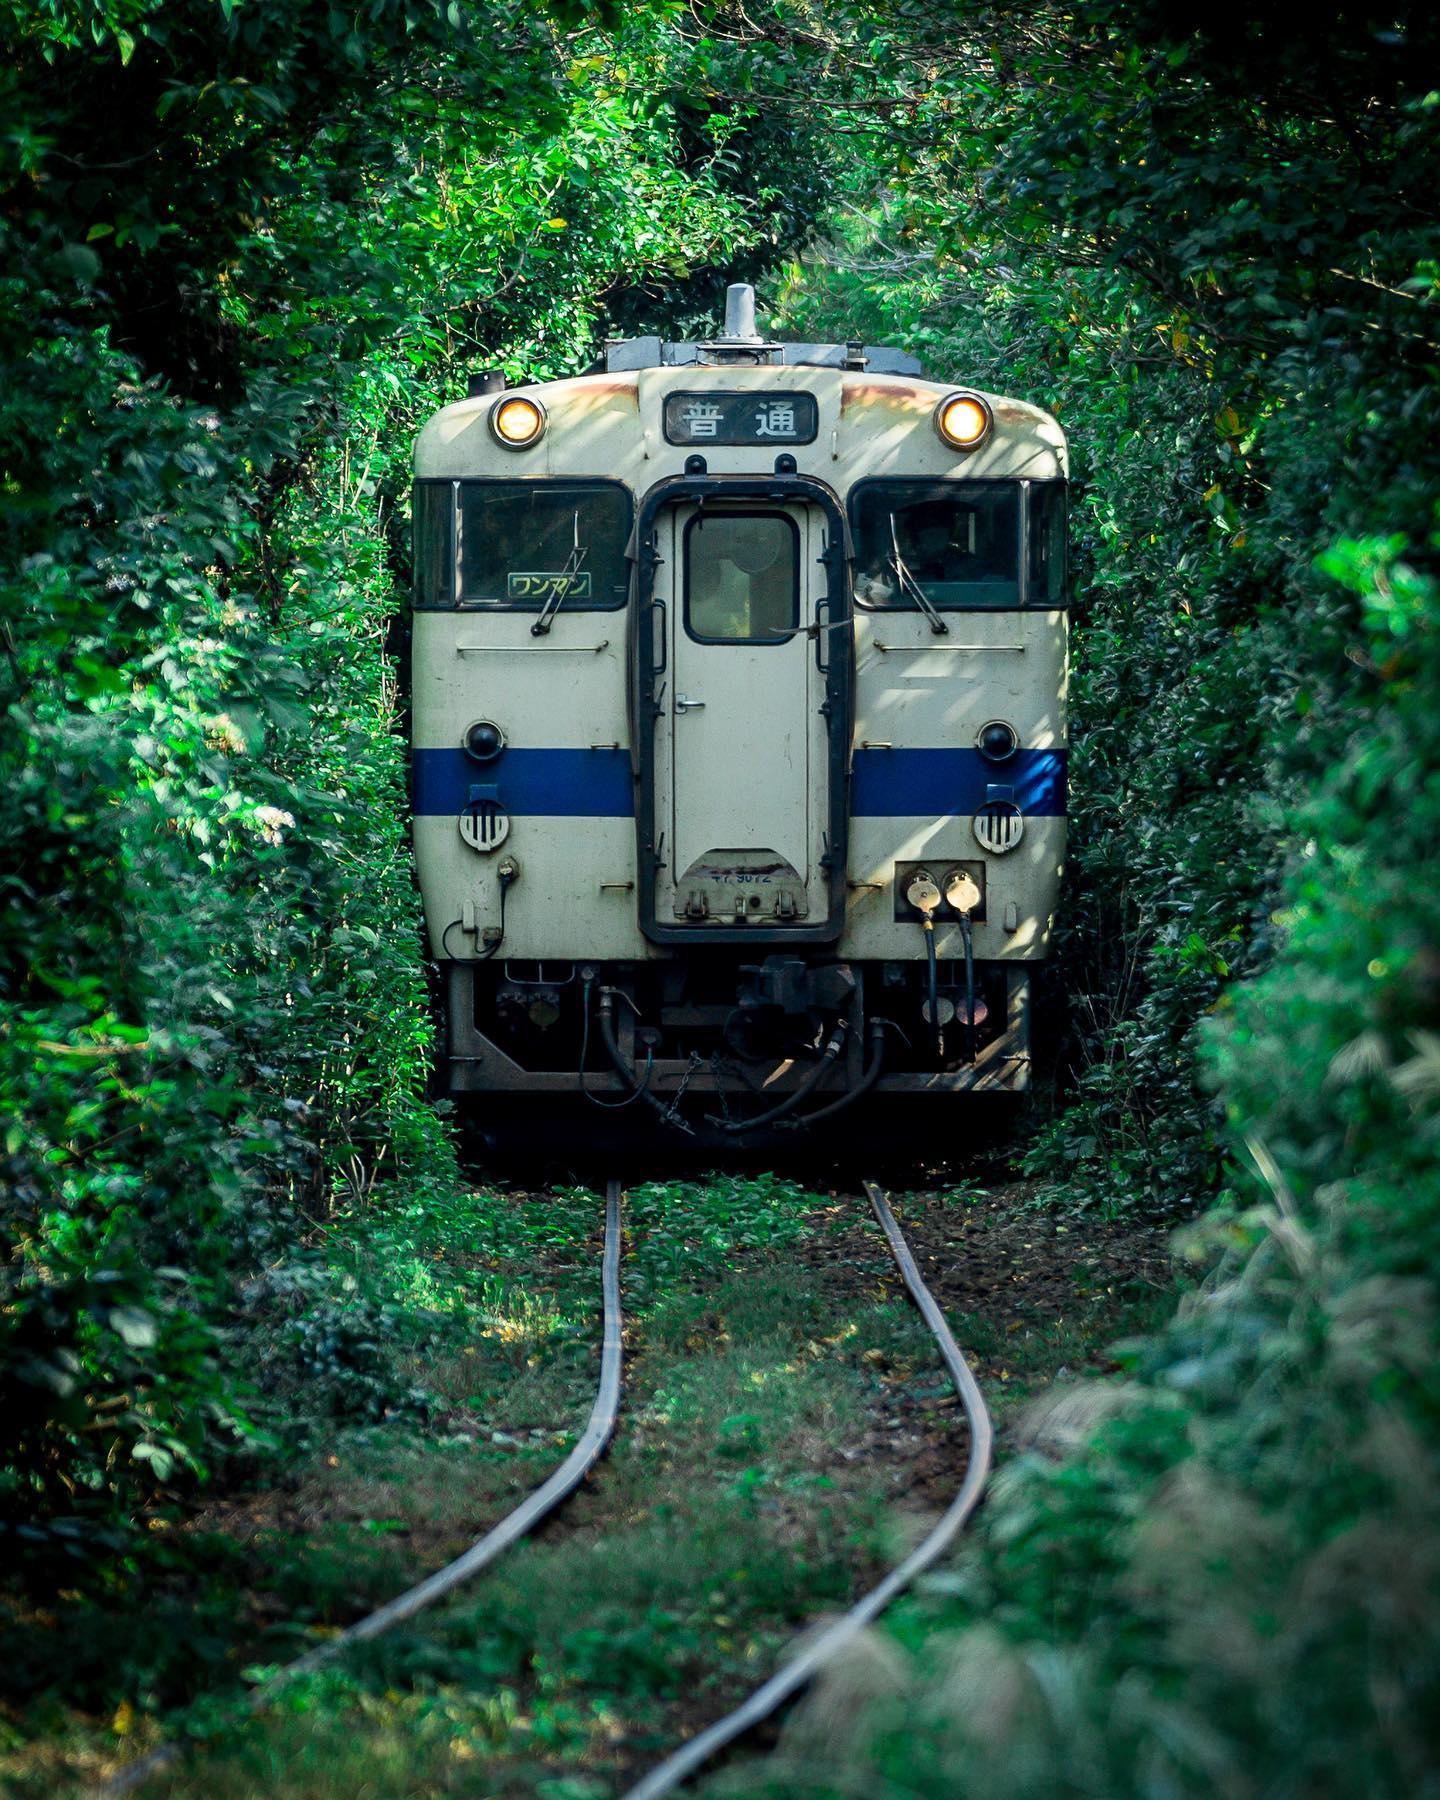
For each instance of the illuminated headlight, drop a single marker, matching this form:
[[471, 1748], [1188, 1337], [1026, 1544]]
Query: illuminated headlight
[[516, 422], [963, 420]]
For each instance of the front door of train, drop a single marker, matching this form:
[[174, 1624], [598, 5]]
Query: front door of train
[[741, 762]]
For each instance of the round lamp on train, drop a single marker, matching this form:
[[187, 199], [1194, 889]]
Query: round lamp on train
[[483, 741], [997, 741], [517, 421], [964, 421]]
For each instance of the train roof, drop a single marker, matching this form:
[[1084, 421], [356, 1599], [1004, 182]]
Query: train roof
[[740, 344], [871, 413]]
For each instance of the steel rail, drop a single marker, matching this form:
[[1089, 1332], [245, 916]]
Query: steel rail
[[691, 1756], [484, 1551]]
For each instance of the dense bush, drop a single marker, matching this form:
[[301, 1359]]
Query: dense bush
[[1157, 230], [1203, 242], [1222, 1575], [247, 249]]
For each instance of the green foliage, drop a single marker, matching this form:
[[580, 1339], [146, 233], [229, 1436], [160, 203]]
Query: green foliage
[[1086, 210], [247, 248], [1203, 245], [684, 1232]]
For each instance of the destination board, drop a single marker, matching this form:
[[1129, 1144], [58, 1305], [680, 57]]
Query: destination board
[[730, 418]]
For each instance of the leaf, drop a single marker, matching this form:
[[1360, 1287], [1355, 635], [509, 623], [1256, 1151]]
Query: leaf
[[135, 1326], [159, 1458], [83, 264]]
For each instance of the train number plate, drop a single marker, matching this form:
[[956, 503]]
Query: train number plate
[[741, 418], [547, 584]]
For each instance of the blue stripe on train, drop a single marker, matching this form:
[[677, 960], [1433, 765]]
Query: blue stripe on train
[[535, 784], [596, 784], [887, 784]]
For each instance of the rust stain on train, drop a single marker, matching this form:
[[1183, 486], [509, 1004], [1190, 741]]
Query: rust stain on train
[[592, 393], [897, 395]]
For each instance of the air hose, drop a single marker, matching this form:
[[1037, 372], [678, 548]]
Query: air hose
[[666, 1114], [813, 1077], [933, 977], [869, 1076], [638, 1092], [969, 988], [924, 896]]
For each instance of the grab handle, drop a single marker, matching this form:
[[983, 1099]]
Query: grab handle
[[659, 668]]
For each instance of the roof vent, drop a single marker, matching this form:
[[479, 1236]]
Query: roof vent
[[741, 341]]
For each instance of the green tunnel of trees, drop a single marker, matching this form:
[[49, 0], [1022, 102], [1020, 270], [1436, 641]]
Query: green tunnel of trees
[[248, 245]]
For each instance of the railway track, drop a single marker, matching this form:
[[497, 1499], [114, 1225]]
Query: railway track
[[796, 1673]]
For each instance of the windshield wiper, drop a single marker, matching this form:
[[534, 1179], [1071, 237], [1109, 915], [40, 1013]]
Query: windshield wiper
[[909, 585], [564, 581]]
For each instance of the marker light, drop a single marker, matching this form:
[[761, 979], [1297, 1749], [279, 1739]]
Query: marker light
[[516, 422], [484, 740], [963, 420], [997, 741]]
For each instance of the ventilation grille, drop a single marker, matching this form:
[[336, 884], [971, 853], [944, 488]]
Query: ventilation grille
[[999, 826], [485, 825]]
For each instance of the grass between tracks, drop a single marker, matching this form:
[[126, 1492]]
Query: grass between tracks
[[787, 1433]]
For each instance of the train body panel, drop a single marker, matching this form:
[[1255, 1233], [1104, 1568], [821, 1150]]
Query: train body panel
[[714, 677]]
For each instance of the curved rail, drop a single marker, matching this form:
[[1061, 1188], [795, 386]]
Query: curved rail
[[500, 1538], [693, 1755]]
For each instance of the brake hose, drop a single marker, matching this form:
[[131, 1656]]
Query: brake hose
[[667, 1114], [638, 1092], [811, 1081], [933, 975], [871, 1074]]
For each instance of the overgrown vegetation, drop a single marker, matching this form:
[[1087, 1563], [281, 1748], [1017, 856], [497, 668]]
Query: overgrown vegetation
[[786, 1419], [246, 249], [247, 246], [1204, 243]]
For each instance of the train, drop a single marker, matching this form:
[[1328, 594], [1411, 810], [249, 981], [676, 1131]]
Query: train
[[738, 689]]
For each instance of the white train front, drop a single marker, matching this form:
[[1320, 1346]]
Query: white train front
[[739, 729]]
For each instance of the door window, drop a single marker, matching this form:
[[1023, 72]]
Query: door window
[[742, 577]]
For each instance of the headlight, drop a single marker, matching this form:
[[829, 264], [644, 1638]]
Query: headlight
[[516, 422], [963, 421]]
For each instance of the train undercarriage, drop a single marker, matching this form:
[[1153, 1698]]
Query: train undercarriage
[[772, 1043]]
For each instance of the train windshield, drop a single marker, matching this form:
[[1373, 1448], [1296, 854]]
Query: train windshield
[[1047, 576], [943, 544], [524, 545]]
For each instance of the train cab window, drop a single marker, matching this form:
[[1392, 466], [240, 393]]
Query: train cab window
[[742, 577], [523, 545], [434, 568], [1046, 574], [946, 544]]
